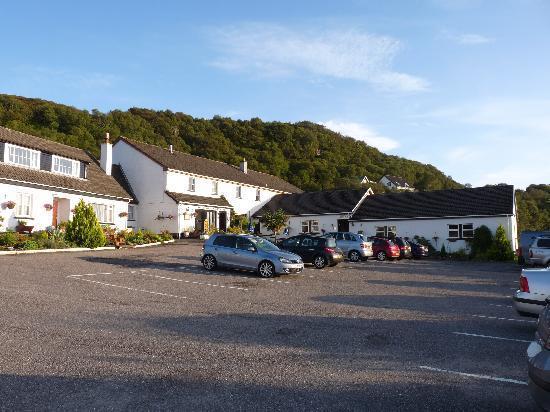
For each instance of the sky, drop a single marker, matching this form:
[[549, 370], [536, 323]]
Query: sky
[[460, 84]]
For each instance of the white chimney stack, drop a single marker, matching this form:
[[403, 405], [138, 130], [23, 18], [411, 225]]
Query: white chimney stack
[[106, 159], [171, 149], [244, 166]]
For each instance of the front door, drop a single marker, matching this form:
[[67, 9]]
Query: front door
[[223, 221], [343, 225]]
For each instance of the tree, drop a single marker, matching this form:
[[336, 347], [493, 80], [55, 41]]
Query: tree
[[501, 249], [84, 229], [482, 241], [275, 221]]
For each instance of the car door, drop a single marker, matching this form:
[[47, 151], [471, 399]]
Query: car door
[[291, 244], [342, 242], [223, 249], [306, 249], [245, 254]]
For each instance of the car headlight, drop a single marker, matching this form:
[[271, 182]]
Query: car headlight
[[284, 260]]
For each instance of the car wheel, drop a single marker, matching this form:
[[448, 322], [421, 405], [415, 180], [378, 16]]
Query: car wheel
[[381, 255], [266, 269], [320, 262], [354, 256], [209, 262]]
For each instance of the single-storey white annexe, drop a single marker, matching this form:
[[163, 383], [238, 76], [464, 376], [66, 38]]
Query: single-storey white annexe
[[444, 217], [180, 193]]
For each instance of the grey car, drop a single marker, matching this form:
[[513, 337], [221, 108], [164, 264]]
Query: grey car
[[353, 245], [538, 355], [249, 253]]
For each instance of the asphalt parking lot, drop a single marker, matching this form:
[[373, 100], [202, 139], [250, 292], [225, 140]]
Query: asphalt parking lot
[[150, 329]]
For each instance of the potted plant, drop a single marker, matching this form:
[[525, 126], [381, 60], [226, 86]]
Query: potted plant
[[22, 227], [10, 204], [123, 214], [48, 207]]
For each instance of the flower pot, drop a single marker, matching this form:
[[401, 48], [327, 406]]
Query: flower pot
[[24, 229]]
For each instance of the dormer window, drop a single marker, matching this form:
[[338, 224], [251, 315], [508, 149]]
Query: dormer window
[[65, 166], [214, 187], [258, 195], [191, 184], [239, 192], [22, 156]]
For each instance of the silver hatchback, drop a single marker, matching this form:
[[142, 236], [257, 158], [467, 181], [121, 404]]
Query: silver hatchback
[[249, 253], [353, 245]]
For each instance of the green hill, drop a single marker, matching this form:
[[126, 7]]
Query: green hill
[[305, 154]]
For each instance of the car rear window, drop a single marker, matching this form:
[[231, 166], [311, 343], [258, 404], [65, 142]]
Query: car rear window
[[330, 242], [225, 241], [543, 243]]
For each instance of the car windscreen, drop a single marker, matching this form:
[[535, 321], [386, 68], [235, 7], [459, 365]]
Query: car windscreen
[[263, 244], [330, 242]]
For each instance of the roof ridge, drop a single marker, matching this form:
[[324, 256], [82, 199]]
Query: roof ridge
[[43, 138]]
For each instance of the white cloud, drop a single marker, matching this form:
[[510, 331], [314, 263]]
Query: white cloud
[[472, 39], [271, 50], [362, 132]]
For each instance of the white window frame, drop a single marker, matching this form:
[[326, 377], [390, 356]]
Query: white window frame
[[239, 192], [23, 204], [58, 168], [310, 226], [192, 183], [459, 231], [258, 195], [32, 155], [386, 231], [215, 187], [104, 213]]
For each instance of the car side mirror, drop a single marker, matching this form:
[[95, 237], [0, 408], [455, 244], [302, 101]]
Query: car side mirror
[[252, 249]]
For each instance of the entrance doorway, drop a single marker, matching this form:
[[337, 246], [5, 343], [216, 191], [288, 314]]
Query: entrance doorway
[[61, 210], [223, 221], [343, 225]]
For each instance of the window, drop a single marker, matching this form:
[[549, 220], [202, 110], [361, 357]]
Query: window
[[225, 241], [239, 192], [339, 236], [23, 157], [543, 243], [307, 242], [258, 193], [386, 231], [23, 205], [104, 213], [131, 212], [350, 237], [244, 244], [310, 226], [214, 187], [461, 231], [191, 184], [291, 242], [66, 166]]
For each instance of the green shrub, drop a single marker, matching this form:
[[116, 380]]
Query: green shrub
[[84, 230], [8, 239], [165, 235], [40, 236], [135, 238], [443, 252], [460, 254], [29, 245], [482, 241], [53, 244], [234, 230], [501, 249]]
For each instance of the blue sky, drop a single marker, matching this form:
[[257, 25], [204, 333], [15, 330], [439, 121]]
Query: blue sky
[[461, 84]]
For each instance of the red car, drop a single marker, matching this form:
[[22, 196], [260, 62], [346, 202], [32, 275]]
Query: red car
[[384, 249]]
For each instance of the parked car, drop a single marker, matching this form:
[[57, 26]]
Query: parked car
[[538, 355], [539, 252], [525, 240], [534, 288], [321, 251], [250, 253], [384, 249], [354, 246], [418, 251], [404, 248]]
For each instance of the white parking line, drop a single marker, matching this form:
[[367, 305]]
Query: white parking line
[[129, 288], [512, 320], [187, 281], [491, 337], [474, 375], [500, 306]]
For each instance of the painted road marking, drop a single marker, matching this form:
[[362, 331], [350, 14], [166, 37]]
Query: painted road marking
[[187, 281], [497, 318], [491, 337], [500, 306], [203, 273], [129, 288], [474, 375]]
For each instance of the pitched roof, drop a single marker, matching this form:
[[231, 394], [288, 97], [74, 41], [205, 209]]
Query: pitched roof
[[118, 173], [397, 180], [186, 162], [314, 203], [480, 201], [44, 145], [96, 183], [199, 200]]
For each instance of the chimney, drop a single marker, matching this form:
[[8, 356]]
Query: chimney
[[171, 148], [106, 159], [244, 166]]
